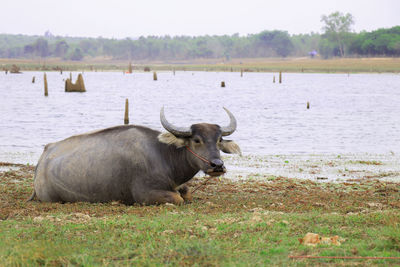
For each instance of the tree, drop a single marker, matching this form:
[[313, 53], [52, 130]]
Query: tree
[[328, 49], [61, 48], [76, 55], [282, 44], [277, 41], [41, 47], [29, 49], [337, 26], [88, 46]]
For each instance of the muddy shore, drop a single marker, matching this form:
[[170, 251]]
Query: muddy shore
[[323, 168], [280, 183]]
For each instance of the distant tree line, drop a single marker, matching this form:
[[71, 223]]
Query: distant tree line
[[382, 42]]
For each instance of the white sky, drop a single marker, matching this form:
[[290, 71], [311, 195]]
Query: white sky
[[133, 18]]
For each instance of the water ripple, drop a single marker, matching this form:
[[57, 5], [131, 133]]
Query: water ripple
[[348, 114]]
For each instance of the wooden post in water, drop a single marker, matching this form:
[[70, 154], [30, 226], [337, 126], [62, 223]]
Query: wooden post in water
[[33, 79], [60, 71], [46, 91], [130, 67], [280, 77], [6, 72], [81, 83], [273, 80], [126, 117], [70, 76], [241, 72], [222, 84], [173, 71], [155, 76], [308, 105]]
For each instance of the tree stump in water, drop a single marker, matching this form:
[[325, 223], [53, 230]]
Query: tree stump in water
[[78, 86]]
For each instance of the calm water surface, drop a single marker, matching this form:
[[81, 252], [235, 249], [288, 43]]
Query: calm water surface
[[348, 114]]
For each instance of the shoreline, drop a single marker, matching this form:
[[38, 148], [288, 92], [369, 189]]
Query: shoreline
[[291, 65], [336, 168]]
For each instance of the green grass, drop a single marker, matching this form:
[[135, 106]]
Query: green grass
[[243, 223], [177, 236]]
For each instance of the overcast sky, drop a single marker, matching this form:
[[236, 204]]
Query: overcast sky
[[132, 18]]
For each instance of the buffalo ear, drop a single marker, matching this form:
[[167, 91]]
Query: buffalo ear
[[230, 147], [170, 139]]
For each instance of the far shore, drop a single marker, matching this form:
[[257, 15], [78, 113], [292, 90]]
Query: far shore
[[296, 65]]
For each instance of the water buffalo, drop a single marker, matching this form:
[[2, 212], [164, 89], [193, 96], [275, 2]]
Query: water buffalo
[[132, 164]]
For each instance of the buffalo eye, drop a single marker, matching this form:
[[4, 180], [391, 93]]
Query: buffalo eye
[[197, 140]]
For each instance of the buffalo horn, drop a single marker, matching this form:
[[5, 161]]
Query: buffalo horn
[[227, 130], [177, 131]]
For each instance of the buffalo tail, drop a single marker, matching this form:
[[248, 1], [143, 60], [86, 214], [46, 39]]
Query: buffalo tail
[[32, 196]]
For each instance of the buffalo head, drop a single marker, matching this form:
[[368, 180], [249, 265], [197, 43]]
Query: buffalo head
[[203, 141]]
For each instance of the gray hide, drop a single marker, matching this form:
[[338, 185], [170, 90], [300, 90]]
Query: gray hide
[[127, 164]]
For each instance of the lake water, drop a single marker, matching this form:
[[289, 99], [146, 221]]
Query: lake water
[[353, 113]]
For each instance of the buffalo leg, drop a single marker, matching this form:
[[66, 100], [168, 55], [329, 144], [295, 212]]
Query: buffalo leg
[[185, 193], [162, 197]]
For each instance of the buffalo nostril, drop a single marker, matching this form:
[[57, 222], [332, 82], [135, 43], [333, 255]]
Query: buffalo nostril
[[216, 163]]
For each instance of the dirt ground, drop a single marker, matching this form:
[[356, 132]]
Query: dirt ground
[[273, 193]]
